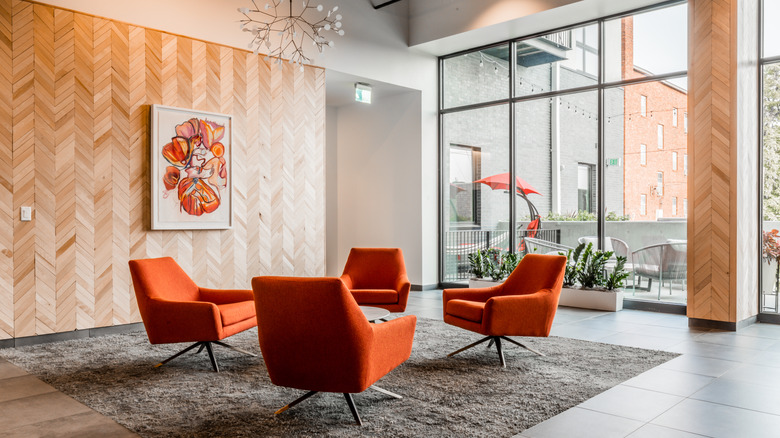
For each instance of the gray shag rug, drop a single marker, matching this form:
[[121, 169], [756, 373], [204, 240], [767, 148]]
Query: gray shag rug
[[466, 395]]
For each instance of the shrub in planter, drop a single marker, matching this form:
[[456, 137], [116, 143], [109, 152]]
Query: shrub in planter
[[598, 289], [493, 263]]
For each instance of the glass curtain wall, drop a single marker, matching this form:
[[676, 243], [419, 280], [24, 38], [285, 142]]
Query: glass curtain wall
[[593, 120], [770, 69]]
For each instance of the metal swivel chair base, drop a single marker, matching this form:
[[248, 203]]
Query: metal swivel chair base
[[347, 396], [497, 341], [207, 346]]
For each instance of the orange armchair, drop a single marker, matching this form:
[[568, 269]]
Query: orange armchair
[[524, 305], [377, 278], [314, 337], [174, 309]]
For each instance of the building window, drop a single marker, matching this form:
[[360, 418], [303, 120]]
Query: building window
[[643, 105], [674, 161], [465, 164], [659, 188], [659, 213], [674, 117], [660, 136], [685, 164], [585, 187], [685, 207], [643, 154], [643, 205], [685, 122], [674, 206]]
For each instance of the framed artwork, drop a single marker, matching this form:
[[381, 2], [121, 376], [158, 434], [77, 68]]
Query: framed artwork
[[191, 169]]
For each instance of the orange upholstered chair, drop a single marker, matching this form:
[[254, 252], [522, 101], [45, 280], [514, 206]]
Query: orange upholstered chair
[[174, 309], [314, 337], [377, 278], [524, 305]]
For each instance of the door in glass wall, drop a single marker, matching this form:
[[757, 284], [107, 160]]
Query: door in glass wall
[[476, 168], [644, 186], [556, 168]]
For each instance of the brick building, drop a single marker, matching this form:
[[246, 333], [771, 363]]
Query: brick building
[[655, 142]]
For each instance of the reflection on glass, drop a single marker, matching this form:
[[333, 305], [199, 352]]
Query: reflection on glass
[[476, 77], [557, 157], [771, 211], [645, 187], [476, 149], [771, 30], [558, 61], [650, 43]]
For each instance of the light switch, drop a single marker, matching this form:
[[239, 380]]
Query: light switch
[[26, 214]]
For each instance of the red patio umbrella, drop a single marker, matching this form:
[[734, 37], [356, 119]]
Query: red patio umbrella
[[501, 182]]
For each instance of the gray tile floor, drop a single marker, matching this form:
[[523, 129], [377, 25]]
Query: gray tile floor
[[723, 385]]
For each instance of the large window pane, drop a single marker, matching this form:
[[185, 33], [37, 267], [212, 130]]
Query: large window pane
[[771, 30], [771, 210], [476, 77], [646, 188], [558, 61], [557, 163], [650, 43], [476, 148]]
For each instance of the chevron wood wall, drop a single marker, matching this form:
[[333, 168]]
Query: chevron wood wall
[[75, 92], [712, 223]]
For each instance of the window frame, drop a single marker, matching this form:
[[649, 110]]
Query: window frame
[[601, 87]]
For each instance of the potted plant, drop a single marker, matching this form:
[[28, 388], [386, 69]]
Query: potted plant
[[490, 267], [770, 276], [589, 284]]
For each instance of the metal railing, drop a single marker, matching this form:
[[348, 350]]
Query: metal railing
[[561, 39], [459, 244]]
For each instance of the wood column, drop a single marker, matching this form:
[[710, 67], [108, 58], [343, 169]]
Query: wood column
[[723, 139]]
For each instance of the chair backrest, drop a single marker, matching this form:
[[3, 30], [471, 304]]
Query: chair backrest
[[375, 268], [540, 246], [161, 278], [312, 333], [620, 248], [595, 241], [534, 273]]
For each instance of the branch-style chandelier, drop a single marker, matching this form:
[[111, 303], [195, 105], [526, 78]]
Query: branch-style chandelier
[[290, 29]]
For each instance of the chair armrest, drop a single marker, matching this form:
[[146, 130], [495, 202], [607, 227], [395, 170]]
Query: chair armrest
[[347, 281], [225, 296], [521, 315], [392, 345], [403, 286], [182, 321], [480, 294]]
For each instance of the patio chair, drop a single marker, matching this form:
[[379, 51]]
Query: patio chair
[[662, 261], [539, 246]]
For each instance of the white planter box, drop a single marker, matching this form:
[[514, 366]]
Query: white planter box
[[482, 282], [592, 299]]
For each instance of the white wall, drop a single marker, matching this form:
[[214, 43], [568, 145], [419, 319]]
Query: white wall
[[332, 267], [379, 164]]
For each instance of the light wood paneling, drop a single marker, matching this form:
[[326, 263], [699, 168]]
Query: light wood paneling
[[74, 129], [712, 185]]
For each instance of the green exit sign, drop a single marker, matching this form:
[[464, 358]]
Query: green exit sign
[[614, 162]]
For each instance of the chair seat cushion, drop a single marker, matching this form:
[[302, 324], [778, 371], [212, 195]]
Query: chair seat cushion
[[233, 313], [468, 310], [375, 296]]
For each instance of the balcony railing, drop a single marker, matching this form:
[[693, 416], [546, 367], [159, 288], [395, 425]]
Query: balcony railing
[[459, 244], [560, 39]]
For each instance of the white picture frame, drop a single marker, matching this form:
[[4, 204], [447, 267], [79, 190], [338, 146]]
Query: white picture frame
[[199, 145]]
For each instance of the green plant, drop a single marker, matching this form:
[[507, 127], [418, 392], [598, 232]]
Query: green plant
[[509, 261], [572, 257], [618, 275], [493, 263], [476, 262], [586, 266]]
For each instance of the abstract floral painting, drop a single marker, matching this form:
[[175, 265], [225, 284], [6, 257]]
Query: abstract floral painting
[[191, 169]]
